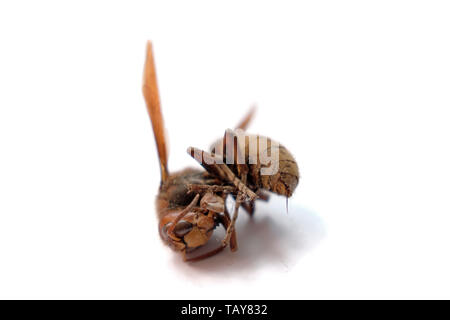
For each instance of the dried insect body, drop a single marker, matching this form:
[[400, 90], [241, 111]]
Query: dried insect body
[[191, 203], [267, 164]]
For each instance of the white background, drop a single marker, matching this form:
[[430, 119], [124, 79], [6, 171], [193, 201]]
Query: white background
[[357, 90]]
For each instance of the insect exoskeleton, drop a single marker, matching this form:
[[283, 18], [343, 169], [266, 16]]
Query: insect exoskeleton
[[187, 219], [191, 203], [191, 232], [267, 164]]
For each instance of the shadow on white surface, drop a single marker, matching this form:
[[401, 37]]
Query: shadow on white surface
[[272, 239]]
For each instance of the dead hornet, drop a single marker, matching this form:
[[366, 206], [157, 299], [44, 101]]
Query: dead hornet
[[191, 203]]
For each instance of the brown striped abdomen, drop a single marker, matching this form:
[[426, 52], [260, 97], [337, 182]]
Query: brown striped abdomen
[[261, 154]]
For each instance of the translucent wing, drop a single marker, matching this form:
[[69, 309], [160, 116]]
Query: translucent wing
[[151, 95]]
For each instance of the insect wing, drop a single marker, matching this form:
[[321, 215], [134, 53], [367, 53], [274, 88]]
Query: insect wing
[[151, 96]]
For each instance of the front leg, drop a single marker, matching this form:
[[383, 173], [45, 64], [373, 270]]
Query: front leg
[[230, 236], [231, 227]]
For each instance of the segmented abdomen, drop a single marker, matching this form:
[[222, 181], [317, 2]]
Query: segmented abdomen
[[270, 165]]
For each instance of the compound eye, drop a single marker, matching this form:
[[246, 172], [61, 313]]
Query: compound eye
[[182, 228]]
